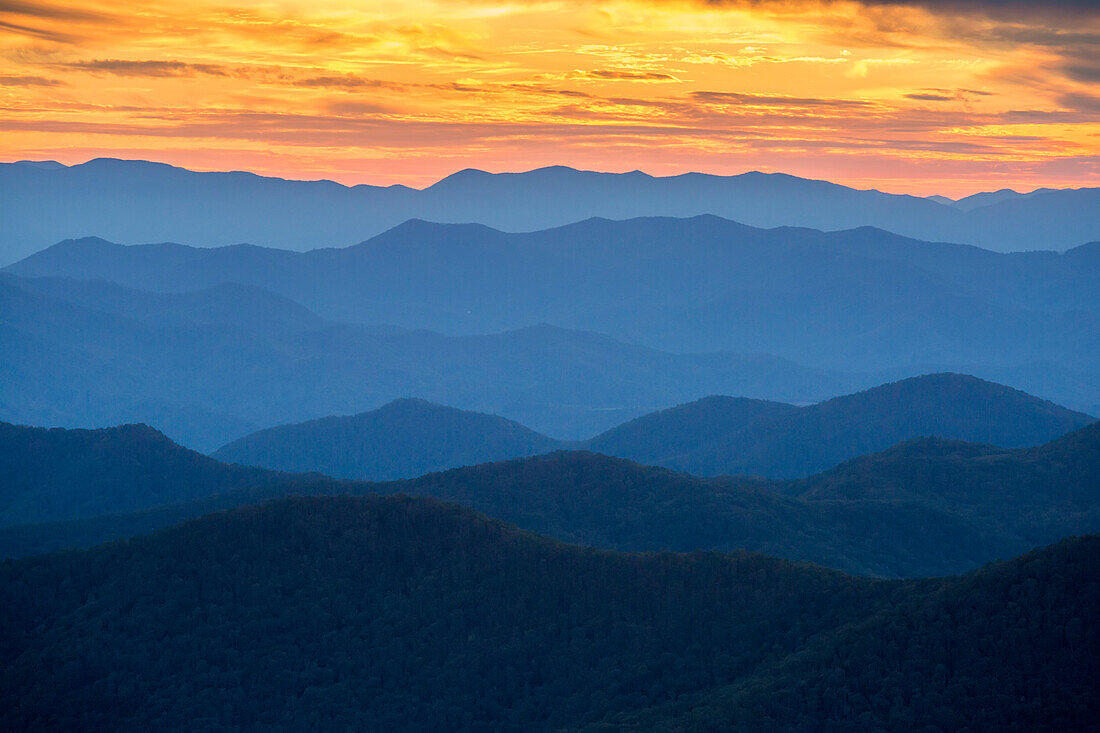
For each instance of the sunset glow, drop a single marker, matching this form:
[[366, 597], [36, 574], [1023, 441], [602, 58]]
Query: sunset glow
[[907, 97]]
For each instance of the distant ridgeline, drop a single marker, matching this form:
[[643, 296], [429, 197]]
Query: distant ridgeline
[[925, 507], [196, 341], [137, 201], [407, 614], [856, 299]]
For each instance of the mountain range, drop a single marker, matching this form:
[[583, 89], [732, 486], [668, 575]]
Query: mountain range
[[854, 300], [726, 435], [215, 365], [712, 436], [138, 201], [551, 450], [402, 613], [925, 507]]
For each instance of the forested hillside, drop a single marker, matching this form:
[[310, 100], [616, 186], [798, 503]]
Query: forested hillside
[[724, 435], [56, 474], [403, 439], [400, 613], [915, 510]]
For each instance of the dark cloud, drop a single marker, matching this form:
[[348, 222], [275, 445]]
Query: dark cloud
[[625, 75], [1084, 69], [340, 82], [774, 101], [554, 92], [46, 10], [41, 33], [931, 97], [28, 81], [1007, 9], [1000, 7], [121, 67], [1081, 102]]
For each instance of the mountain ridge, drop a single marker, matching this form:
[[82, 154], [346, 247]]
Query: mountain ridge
[[711, 436], [879, 515], [241, 206], [391, 612], [104, 356], [863, 296], [389, 442], [729, 441]]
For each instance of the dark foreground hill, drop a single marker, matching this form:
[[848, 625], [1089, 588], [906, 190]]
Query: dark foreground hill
[[394, 613], [1010, 647], [51, 475], [917, 510], [403, 439], [725, 435]]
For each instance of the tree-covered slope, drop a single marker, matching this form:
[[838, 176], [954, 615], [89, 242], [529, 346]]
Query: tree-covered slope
[[721, 435], [1037, 493], [609, 502], [715, 435], [1011, 647], [408, 614], [403, 439], [57, 474], [906, 512]]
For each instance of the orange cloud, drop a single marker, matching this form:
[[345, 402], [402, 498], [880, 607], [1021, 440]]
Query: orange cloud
[[908, 95]]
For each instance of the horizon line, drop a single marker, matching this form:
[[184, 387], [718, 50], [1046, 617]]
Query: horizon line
[[472, 170]]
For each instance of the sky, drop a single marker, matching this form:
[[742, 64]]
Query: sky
[[909, 96]]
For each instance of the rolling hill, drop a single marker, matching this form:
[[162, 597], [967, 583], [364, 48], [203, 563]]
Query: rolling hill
[[400, 613], [1032, 493], [952, 639], [138, 201], [403, 439], [709, 437], [51, 475], [911, 519], [725, 435]]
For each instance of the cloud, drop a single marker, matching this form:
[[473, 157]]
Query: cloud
[[611, 75], [1085, 70], [931, 97], [28, 81], [1007, 9], [121, 67], [625, 75], [52, 12], [1000, 8], [42, 33], [766, 100], [49, 22], [342, 82], [1081, 102]]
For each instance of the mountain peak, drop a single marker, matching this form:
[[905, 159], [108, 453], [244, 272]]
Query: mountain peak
[[47, 165], [404, 438]]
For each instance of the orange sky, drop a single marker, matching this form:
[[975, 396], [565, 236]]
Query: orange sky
[[901, 95]]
